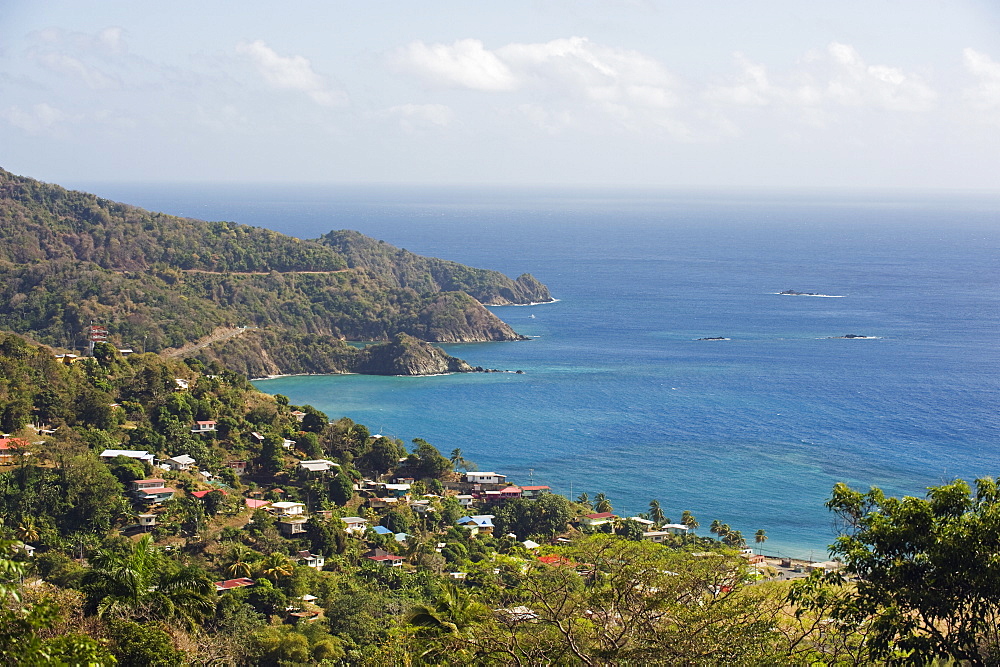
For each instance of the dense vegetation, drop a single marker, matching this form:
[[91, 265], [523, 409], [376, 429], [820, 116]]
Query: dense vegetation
[[157, 281], [919, 581]]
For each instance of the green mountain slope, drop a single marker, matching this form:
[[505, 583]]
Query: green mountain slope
[[158, 281]]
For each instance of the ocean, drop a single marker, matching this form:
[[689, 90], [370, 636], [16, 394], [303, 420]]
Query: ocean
[[619, 396]]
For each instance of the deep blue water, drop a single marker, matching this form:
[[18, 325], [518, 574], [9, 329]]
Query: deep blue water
[[618, 396]]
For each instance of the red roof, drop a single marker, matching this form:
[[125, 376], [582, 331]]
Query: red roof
[[230, 584], [384, 558], [13, 443], [202, 494], [254, 504], [534, 488], [511, 489], [601, 515], [554, 559]]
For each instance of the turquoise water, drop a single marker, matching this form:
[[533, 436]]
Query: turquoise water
[[619, 397]]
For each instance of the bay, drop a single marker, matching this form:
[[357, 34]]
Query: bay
[[618, 395]]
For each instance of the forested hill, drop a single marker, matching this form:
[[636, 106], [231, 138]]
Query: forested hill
[[158, 281]]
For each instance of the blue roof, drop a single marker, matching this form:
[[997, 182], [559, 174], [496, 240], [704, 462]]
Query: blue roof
[[481, 520], [382, 530]]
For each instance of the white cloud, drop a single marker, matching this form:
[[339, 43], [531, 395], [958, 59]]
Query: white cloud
[[825, 82], [464, 64], [855, 83], [40, 119], [75, 68], [985, 95], [290, 73], [412, 116]]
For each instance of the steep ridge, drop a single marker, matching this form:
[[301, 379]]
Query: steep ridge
[[157, 281]]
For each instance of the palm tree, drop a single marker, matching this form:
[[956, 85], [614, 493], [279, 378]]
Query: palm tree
[[459, 461], [760, 537], [602, 504], [688, 520], [240, 560], [714, 528], [277, 566], [734, 538], [27, 531], [453, 611], [584, 499], [656, 514], [140, 584]]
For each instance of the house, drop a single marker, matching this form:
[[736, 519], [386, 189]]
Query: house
[[182, 462], [10, 447], [311, 560], [292, 526], [109, 455], [383, 556], [421, 506], [317, 465], [230, 584], [207, 426], [656, 535], [286, 508], [255, 504], [379, 503], [239, 467], [147, 521], [465, 500], [151, 490], [479, 523], [182, 384], [393, 490], [509, 493], [483, 479], [645, 523], [675, 528], [287, 444], [355, 524], [299, 415], [381, 530], [598, 519], [532, 492]]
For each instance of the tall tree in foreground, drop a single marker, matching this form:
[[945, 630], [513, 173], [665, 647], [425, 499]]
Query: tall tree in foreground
[[928, 577], [656, 514]]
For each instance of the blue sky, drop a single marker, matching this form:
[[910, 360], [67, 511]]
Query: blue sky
[[664, 94]]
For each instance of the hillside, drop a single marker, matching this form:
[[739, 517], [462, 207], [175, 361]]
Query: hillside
[[158, 281]]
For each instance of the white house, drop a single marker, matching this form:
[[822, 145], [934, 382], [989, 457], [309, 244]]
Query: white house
[[207, 426], [182, 462], [465, 500], [485, 478], [286, 508], [355, 524], [317, 465], [138, 454]]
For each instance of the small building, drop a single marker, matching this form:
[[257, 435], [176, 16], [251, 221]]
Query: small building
[[287, 508], [292, 526], [287, 444], [464, 499], [381, 530], [182, 384], [355, 524], [147, 521], [393, 490], [657, 535], [230, 584], [476, 524], [254, 503], [182, 462], [317, 465], [532, 492], [510, 493], [11, 447], [675, 528], [383, 556], [207, 426], [598, 519], [485, 478], [299, 415], [109, 455], [239, 467], [311, 560], [151, 491]]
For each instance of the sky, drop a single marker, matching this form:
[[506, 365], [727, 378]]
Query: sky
[[672, 94]]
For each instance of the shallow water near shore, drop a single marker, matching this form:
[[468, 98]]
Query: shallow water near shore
[[618, 395]]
